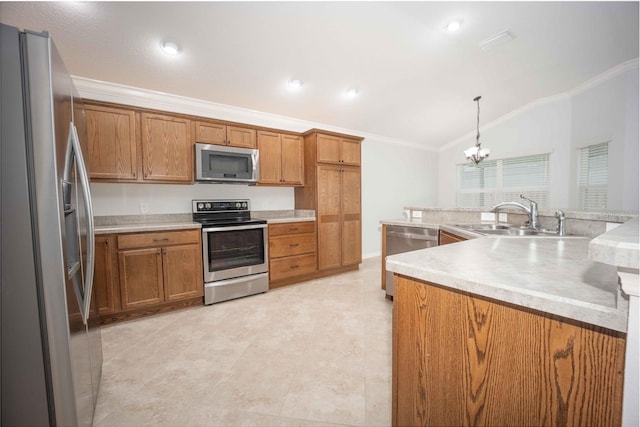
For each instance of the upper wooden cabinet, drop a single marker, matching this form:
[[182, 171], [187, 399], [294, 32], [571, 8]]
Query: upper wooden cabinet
[[337, 149], [112, 143], [221, 134], [167, 151], [281, 158], [127, 145]]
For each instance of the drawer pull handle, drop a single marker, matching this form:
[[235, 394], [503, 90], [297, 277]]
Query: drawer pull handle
[[293, 267], [293, 245], [164, 239]]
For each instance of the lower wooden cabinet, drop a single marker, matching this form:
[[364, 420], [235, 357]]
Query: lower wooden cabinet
[[461, 359], [292, 251], [105, 275], [147, 271]]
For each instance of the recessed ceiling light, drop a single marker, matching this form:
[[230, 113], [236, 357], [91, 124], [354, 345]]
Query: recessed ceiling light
[[453, 25], [170, 48], [351, 93], [295, 84]]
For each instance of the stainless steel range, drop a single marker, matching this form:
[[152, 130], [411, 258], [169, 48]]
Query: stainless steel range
[[234, 249]]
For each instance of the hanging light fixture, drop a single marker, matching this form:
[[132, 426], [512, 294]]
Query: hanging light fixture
[[477, 153]]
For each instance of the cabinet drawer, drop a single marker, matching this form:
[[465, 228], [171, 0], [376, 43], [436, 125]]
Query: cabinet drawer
[[282, 268], [292, 228], [164, 238], [295, 244]]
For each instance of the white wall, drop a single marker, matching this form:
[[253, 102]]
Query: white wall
[[393, 177], [394, 174], [604, 109]]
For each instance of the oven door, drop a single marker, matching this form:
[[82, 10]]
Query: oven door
[[234, 251]]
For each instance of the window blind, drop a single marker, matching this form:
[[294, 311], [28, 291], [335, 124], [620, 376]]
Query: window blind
[[491, 182], [593, 176]]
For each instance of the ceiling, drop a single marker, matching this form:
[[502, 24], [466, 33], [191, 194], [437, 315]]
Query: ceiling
[[416, 82]]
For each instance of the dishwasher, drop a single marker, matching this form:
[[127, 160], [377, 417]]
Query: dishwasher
[[402, 239]]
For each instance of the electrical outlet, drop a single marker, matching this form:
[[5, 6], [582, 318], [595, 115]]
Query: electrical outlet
[[416, 214], [144, 207], [502, 217]]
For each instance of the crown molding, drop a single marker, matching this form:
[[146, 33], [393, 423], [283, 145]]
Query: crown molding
[[598, 80], [145, 98]]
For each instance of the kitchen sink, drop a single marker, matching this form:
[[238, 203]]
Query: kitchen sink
[[506, 230]]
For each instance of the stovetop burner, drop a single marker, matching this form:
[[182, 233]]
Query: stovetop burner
[[223, 212]]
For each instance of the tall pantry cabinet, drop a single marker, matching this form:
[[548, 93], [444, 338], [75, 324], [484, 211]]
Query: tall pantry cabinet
[[333, 189]]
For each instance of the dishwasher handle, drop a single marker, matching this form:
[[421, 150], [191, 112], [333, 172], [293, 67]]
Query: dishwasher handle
[[411, 236]]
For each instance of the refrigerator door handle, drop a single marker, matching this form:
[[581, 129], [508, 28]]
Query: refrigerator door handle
[[91, 238]]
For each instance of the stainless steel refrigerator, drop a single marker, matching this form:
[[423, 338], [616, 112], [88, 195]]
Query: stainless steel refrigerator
[[50, 344]]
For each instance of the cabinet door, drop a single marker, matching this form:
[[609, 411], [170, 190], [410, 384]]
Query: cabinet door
[[182, 272], [210, 133], [140, 278], [350, 152], [167, 153], [292, 159], [270, 157], [111, 137], [329, 217], [241, 137], [351, 216], [103, 277], [328, 148]]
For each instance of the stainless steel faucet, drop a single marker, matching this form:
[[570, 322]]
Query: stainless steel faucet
[[560, 215], [532, 210]]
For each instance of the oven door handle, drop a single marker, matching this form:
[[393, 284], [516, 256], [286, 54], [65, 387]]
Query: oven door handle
[[240, 227]]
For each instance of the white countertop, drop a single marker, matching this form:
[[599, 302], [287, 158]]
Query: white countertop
[[552, 275], [413, 222], [149, 226], [619, 247]]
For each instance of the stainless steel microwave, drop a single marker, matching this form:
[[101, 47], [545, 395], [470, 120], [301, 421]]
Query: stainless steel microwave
[[222, 164]]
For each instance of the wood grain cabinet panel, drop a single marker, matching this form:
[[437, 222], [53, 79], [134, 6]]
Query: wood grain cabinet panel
[[337, 149], [281, 158], [167, 151], [156, 268], [141, 277], [459, 359], [333, 188], [112, 143], [292, 251], [182, 267], [211, 132], [104, 275]]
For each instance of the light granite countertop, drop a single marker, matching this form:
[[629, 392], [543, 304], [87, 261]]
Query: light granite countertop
[[619, 247], [139, 223], [413, 222], [550, 275], [278, 216], [182, 221]]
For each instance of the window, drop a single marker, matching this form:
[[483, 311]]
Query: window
[[494, 181], [593, 176]]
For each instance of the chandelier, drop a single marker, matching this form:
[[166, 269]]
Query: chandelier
[[476, 153]]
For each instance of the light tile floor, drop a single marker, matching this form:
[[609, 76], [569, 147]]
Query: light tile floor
[[313, 354]]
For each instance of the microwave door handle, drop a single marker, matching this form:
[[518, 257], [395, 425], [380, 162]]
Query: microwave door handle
[[91, 238]]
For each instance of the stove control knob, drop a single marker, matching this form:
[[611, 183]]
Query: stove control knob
[[200, 206], [238, 205], [207, 205], [244, 205]]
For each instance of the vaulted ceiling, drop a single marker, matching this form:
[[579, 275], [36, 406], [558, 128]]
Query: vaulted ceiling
[[415, 81]]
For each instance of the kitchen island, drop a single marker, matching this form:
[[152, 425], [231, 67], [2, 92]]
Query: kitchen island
[[507, 331]]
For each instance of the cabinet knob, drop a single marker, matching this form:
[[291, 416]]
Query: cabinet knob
[[293, 245], [293, 267]]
